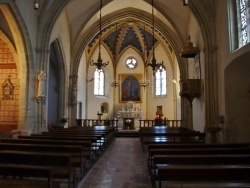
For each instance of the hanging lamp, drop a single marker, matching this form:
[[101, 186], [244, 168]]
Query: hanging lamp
[[153, 63], [99, 64], [144, 83]]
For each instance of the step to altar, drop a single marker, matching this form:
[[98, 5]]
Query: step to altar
[[127, 133]]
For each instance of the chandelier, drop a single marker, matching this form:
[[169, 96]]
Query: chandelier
[[99, 64], [115, 83], [144, 83], [153, 63]]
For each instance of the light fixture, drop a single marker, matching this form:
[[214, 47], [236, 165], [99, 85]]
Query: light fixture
[[99, 64], [115, 83], [144, 83], [173, 80], [36, 5], [185, 2], [153, 63], [190, 51]]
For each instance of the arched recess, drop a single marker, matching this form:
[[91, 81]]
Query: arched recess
[[131, 13], [24, 61], [237, 100], [56, 85], [9, 77]]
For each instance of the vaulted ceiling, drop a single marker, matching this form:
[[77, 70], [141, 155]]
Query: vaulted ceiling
[[120, 36], [127, 23]]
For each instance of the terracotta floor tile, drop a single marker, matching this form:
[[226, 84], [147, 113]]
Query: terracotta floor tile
[[123, 165]]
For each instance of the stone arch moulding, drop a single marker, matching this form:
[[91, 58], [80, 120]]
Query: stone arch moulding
[[23, 56]]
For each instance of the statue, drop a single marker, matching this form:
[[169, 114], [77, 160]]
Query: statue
[[41, 84], [74, 94]]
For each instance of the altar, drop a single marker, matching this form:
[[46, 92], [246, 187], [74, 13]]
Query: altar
[[128, 118]]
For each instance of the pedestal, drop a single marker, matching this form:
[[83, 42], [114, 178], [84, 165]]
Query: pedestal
[[213, 133]]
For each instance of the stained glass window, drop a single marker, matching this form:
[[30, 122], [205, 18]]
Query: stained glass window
[[161, 81], [131, 63], [243, 21], [99, 82], [239, 14]]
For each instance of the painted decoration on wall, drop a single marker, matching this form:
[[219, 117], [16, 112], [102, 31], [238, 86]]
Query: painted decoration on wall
[[8, 89], [130, 87]]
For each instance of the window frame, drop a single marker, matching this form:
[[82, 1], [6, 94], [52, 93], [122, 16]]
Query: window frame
[[161, 84], [101, 83], [127, 66]]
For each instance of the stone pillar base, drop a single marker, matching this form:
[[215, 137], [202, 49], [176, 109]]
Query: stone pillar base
[[20, 132]]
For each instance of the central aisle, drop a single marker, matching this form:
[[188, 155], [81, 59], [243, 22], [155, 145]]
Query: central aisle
[[123, 165]]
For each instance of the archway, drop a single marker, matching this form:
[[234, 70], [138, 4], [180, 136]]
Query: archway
[[237, 91]]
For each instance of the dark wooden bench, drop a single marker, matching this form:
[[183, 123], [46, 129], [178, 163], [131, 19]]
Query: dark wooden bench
[[13, 176], [60, 164], [208, 174], [109, 131], [86, 146], [77, 158], [195, 151], [153, 135], [197, 145], [165, 160], [96, 140], [101, 140]]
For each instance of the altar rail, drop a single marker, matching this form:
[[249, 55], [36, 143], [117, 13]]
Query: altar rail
[[163, 122], [94, 122]]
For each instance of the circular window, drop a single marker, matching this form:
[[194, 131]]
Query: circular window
[[131, 63]]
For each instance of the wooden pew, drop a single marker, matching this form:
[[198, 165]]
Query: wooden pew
[[76, 152], [92, 139], [208, 174], [195, 151], [108, 131], [192, 145], [59, 164], [153, 135], [30, 171], [95, 139], [165, 160], [100, 141], [86, 146]]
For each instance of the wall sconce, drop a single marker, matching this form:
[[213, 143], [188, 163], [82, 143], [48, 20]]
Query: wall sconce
[[185, 2], [36, 5]]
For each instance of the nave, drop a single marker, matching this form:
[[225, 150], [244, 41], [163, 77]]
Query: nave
[[123, 165]]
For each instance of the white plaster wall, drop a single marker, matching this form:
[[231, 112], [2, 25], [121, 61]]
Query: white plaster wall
[[61, 31], [94, 102], [167, 102], [81, 90], [122, 69], [232, 92]]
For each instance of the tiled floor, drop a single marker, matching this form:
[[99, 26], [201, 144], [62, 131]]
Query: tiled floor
[[123, 165]]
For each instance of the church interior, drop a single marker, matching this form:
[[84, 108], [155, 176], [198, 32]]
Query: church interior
[[124, 65]]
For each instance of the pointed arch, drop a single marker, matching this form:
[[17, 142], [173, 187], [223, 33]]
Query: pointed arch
[[57, 60], [25, 65]]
